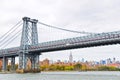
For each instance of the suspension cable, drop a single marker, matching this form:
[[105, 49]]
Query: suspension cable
[[10, 29], [12, 38], [82, 32], [5, 41], [10, 33]]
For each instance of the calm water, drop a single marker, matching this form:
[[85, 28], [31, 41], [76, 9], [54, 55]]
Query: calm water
[[63, 76]]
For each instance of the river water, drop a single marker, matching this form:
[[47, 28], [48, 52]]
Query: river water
[[89, 75]]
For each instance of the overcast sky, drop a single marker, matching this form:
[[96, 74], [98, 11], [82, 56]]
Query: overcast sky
[[81, 15]]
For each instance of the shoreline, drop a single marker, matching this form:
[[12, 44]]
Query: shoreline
[[13, 72], [7, 72]]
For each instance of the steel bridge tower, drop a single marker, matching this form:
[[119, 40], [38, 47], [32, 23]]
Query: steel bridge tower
[[29, 37]]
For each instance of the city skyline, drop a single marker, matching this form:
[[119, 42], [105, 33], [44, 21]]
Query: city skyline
[[71, 58], [80, 15], [103, 61]]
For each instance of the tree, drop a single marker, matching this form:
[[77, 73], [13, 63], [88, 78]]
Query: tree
[[77, 66], [8, 67], [84, 67], [69, 68], [16, 66], [107, 68], [52, 67]]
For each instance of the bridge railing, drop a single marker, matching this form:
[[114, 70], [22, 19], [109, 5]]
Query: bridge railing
[[83, 40]]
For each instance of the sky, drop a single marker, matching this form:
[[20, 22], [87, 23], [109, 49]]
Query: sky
[[81, 15]]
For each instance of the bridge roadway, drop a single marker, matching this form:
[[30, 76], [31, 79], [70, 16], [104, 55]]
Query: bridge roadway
[[70, 43]]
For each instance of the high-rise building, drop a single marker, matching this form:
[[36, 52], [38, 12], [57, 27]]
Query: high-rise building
[[109, 61], [70, 57], [114, 60], [82, 60]]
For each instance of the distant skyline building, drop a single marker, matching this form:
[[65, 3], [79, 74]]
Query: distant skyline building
[[109, 61], [83, 60], [114, 60], [70, 57]]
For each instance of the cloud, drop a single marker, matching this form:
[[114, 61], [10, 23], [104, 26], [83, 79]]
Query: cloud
[[81, 15]]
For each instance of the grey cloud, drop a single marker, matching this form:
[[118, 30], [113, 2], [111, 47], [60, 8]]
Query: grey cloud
[[81, 15]]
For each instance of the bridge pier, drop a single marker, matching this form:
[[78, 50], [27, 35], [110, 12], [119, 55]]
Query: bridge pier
[[35, 67], [23, 59], [22, 63], [5, 62], [13, 63]]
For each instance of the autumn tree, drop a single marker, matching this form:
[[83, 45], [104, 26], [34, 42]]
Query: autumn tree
[[78, 66]]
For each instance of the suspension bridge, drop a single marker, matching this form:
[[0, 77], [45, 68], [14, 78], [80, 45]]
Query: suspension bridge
[[31, 49]]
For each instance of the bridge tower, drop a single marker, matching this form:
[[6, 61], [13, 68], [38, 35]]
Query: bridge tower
[[29, 37]]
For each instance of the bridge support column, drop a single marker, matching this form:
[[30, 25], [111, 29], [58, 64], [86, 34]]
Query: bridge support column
[[35, 63], [5, 62], [34, 58], [29, 37], [13, 63], [22, 63]]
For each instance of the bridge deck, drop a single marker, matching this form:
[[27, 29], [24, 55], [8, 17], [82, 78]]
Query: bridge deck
[[70, 43]]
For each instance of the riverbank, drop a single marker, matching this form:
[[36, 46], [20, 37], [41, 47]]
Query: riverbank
[[7, 72]]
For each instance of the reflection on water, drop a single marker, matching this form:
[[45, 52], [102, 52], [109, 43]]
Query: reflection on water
[[113, 75]]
